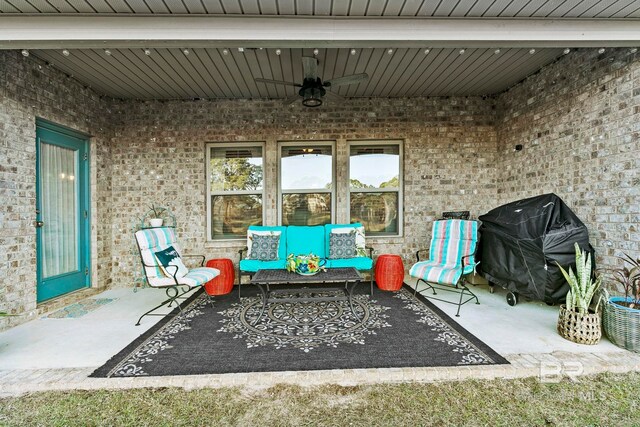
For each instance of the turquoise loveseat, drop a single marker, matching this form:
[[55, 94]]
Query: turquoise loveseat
[[302, 240]]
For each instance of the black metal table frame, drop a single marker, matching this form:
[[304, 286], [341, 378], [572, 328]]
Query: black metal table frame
[[294, 279]]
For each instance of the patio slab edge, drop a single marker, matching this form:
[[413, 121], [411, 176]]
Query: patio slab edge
[[547, 367]]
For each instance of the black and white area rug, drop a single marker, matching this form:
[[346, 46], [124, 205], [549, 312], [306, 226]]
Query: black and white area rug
[[394, 329]]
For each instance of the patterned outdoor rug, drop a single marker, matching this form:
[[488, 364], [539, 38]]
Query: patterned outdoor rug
[[80, 308], [394, 329]]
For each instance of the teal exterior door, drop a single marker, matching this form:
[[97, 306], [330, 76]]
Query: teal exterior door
[[62, 211]]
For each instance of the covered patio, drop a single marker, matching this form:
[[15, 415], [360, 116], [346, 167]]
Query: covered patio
[[476, 103]]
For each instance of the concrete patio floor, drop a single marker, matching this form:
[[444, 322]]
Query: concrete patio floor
[[51, 353]]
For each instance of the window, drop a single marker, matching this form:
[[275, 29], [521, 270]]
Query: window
[[375, 186], [235, 189], [306, 184]]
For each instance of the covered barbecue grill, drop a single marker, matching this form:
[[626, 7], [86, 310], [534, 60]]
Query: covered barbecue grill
[[521, 242]]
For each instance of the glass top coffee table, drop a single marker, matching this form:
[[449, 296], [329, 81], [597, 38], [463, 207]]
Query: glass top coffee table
[[332, 279]]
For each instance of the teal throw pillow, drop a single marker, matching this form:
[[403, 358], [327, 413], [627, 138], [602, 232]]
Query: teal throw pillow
[[170, 263]]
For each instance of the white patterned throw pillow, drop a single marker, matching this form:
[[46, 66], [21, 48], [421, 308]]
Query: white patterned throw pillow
[[361, 250]]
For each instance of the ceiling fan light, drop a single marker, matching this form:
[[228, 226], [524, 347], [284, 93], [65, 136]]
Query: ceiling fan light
[[312, 97]]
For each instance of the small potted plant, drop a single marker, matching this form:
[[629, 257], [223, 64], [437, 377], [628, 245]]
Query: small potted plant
[[576, 321], [156, 220], [621, 316]]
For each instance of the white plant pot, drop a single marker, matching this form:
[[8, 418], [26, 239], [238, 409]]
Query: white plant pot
[[155, 222]]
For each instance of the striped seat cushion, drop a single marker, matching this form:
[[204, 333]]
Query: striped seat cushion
[[195, 277], [450, 241]]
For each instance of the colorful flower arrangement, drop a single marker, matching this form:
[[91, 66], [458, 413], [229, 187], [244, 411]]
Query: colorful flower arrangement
[[305, 264]]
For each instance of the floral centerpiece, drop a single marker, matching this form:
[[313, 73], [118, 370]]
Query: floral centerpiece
[[305, 264]]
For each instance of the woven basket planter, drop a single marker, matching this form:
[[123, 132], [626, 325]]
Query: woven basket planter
[[581, 329], [622, 324]]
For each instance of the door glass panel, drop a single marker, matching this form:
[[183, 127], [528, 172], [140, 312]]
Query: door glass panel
[[59, 210]]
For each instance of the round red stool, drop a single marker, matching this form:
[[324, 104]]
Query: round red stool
[[389, 272], [223, 283]]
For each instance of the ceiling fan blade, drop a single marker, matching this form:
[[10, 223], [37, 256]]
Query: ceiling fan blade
[[347, 80], [277, 82], [290, 100], [310, 67], [334, 96]]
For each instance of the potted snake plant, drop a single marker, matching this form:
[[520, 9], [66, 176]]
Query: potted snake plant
[[621, 316], [576, 321]]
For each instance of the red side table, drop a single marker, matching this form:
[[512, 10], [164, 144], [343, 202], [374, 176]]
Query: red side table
[[389, 272], [223, 283]]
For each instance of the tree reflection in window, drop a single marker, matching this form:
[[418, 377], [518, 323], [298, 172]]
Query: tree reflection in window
[[236, 183], [375, 187], [306, 180]]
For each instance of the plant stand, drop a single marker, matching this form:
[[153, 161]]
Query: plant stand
[[579, 328]]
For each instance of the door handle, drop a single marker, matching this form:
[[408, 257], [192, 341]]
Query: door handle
[[38, 224]]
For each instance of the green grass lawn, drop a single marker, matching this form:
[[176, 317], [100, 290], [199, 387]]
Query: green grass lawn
[[610, 400]]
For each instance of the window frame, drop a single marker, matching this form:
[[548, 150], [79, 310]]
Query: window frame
[[209, 193], [281, 192], [399, 189]]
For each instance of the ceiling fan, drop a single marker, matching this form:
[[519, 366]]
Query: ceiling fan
[[313, 88]]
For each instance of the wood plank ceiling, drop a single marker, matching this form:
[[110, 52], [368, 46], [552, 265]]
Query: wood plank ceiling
[[423, 8], [212, 73], [395, 71]]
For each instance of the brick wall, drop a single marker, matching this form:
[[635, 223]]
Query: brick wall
[[579, 122], [159, 149], [30, 89]]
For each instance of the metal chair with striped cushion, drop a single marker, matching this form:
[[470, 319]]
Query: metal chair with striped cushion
[[152, 240], [451, 258]]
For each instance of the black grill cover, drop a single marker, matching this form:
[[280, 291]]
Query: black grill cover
[[521, 242]]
